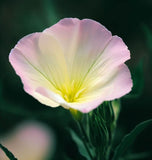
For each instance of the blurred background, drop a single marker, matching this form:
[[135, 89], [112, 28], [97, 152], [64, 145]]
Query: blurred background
[[129, 19]]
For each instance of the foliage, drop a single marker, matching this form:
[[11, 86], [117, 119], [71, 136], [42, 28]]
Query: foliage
[[131, 20], [8, 153], [97, 140]]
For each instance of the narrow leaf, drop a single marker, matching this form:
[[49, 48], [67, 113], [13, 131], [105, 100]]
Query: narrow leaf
[[8, 153], [79, 144], [129, 139]]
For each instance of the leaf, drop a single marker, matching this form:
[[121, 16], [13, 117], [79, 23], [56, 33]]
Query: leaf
[[65, 157], [79, 144], [8, 153], [50, 12], [138, 156], [138, 80], [148, 35], [129, 139]]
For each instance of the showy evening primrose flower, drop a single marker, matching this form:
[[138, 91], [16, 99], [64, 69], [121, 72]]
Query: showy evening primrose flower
[[75, 63]]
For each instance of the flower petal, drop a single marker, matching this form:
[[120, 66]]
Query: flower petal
[[119, 85], [53, 60], [108, 64], [82, 42], [26, 59], [83, 107], [44, 100], [45, 92]]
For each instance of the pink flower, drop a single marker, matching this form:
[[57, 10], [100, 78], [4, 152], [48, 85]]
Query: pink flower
[[29, 141], [75, 63]]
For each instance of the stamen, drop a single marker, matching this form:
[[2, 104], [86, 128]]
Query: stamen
[[71, 92]]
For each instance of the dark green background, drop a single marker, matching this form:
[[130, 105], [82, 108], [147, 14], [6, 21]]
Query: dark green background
[[130, 19]]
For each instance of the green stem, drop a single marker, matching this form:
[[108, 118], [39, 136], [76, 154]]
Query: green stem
[[84, 138]]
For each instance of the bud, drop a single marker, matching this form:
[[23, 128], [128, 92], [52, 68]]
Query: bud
[[100, 122]]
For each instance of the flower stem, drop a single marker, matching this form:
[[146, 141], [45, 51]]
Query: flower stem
[[84, 138]]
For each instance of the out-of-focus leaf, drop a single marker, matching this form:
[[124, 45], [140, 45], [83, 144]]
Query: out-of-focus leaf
[[65, 157], [8, 153], [138, 156], [0, 89], [50, 12], [148, 34], [138, 81], [129, 139], [79, 144]]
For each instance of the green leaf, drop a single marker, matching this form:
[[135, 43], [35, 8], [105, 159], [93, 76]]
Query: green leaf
[[138, 156], [50, 12], [138, 80], [79, 144], [148, 35], [129, 139], [8, 153]]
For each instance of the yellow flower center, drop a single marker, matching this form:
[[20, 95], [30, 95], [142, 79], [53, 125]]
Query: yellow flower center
[[71, 92]]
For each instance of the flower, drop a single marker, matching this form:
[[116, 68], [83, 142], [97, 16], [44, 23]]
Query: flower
[[29, 141], [75, 63]]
